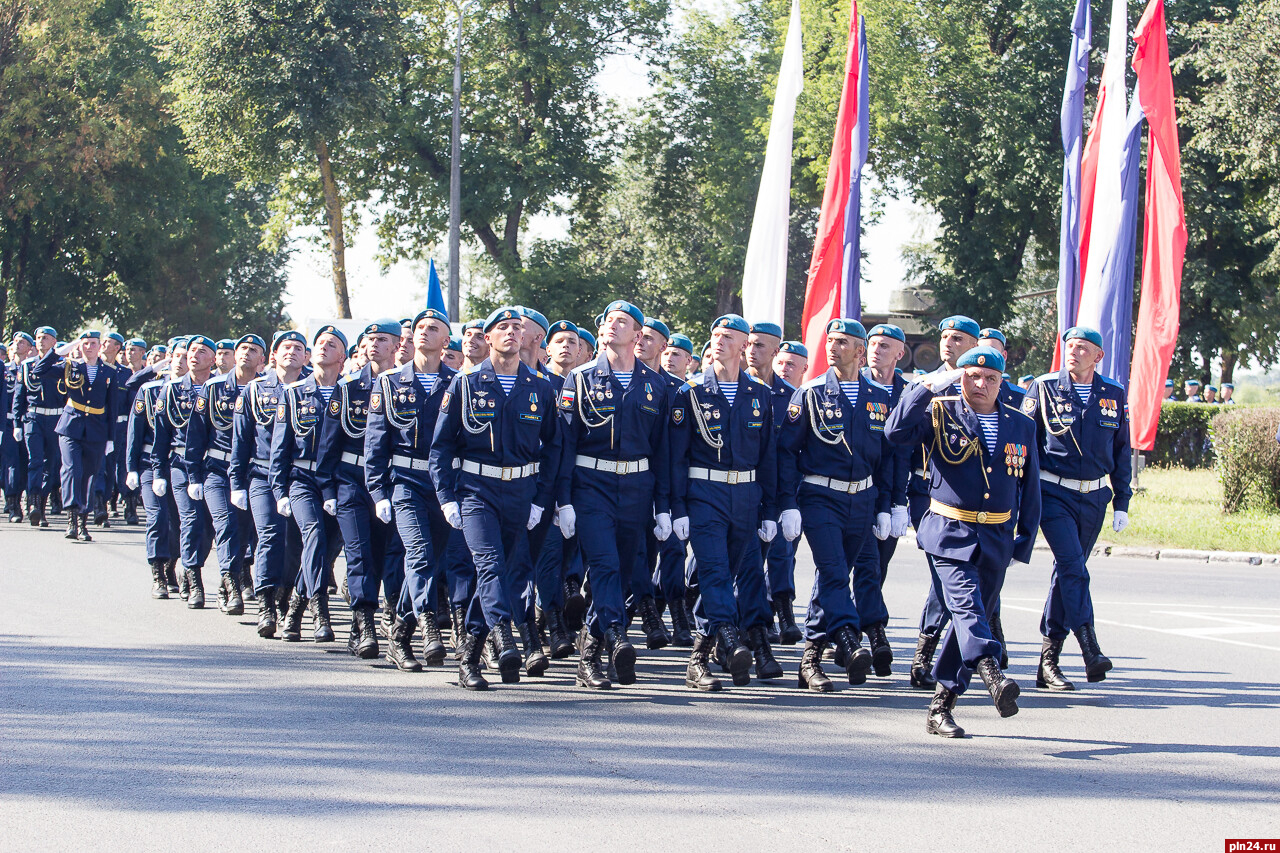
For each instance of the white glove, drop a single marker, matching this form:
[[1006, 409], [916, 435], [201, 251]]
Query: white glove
[[284, 507], [768, 530], [382, 509], [331, 506], [17, 433], [790, 521], [566, 516], [1119, 520], [944, 380], [898, 521], [680, 527], [452, 514], [882, 525], [159, 487], [195, 491], [131, 481], [662, 526], [111, 447], [240, 499], [535, 515]]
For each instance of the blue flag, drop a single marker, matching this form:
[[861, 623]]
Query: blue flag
[[1072, 118], [1116, 327], [852, 272], [435, 296]]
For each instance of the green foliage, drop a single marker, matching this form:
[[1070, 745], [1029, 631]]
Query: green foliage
[[1248, 457], [1183, 436]]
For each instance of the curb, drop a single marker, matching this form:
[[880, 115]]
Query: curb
[[1184, 554]]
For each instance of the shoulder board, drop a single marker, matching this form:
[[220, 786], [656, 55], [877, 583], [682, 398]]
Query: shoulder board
[[1109, 382], [949, 398], [815, 382], [1015, 409], [297, 384], [349, 378], [755, 379], [154, 383], [1046, 377], [584, 368], [686, 386]]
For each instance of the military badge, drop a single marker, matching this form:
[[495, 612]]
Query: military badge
[[239, 404], [793, 411], [281, 411], [333, 407], [375, 402], [139, 406], [200, 404], [677, 416], [1028, 405], [444, 401], [567, 396]]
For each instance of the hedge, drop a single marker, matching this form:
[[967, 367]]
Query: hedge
[[1183, 438], [1248, 457]]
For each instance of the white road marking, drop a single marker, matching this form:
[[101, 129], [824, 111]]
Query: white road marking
[[1190, 633]]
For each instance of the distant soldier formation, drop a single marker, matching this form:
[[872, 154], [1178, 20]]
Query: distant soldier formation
[[529, 491]]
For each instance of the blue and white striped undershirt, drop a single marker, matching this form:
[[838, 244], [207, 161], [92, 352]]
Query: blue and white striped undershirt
[[624, 379], [507, 382], [92, 370], [990, 429], [326, 391], [730, 391], [428, 381], [1083, 391], [850, 390]]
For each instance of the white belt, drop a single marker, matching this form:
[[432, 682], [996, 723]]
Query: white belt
[[717, 476], [304, 464], [410, 463], [146, 448], [612, 466], [497, 472], [839, 485], [40, 410], [921, 473], [1084, 487], [262, 463], [220, 455], [122, 419], [353, 459], [175, 448]]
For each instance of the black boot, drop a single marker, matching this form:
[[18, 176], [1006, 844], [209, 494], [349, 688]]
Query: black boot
[[698, 675], [400, 647], [195, 589], [388, 619], [767, 666], [469, 677], [590, 671], [1049, 675], [811, 674], [681, 625], [184, 583], [851, 655], [131, 509], [268, 617], [82, 528], [1004, 690], [655, 633], [737, 655], [622, 655], [922, 663], [55, 501], [558, 637], [459, 628], [1096, 664], [235, 598], [997, 633], [13, 505], [321, 628], [246, 581], [363, 642], [100, 515], [433, 650], [223, 595], [881, 651], [940, 720], [575, 606], [40, 518], [535, 659], [33, 511], [509, 658], [171, 576], [159, 589], [291, 631], [73, 532], [789, 632]]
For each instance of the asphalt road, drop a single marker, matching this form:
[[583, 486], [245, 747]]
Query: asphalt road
[[128, 723]]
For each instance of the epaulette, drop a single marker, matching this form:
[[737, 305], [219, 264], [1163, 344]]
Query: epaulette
[[1048, 377], [154, 383], [1016, 409], [756, 380], [814, 382], [349, 378], [295, 384]]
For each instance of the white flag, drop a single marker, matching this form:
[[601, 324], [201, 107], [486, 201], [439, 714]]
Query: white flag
[[764, 278]]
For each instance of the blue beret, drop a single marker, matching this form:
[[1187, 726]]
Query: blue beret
[[1195, 382], [959, 323], [474, 324], [92, 334], [117, 337], [407, 321], [226, 343], [179, 342], [795, 348], [252, 339], [626, 308], [200, 339], [705, 347], [1083, 333], [1006, 376], [25, 337], [982, 357], [767, 329], [561, 326], [1212, 388], [1168, 383], [993, 335], [386, 326], [351, 350], [731, 321], [599, 320], [430, 314], [330, 329], [1226, 385], [888, 330], [658, 326], [507, 312], [846, 326], [588, 337], [455, 343], [290, 335], [680, 341], [536, 317], [1025, 378], [160, 349], [47, 330]]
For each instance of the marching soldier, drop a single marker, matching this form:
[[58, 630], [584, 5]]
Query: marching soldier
[[145, 388], [108, 485], [834, 483], [724, 496], [1082, 428], [37, 405], [14, 450], [983, 511], [791, 362], [673, 552], [135, 360], [85, 428]]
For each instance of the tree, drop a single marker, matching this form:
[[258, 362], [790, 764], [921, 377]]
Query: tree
[[273, 91]]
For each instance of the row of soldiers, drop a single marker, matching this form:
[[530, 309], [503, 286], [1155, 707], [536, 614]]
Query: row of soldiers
[[552, 480]]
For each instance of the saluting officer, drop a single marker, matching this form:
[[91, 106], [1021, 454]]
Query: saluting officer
[[673, 552], [277, 557], [85, 428], [724, 496], [145, 388], [834, 475], [1082, 426], [499, 424], [295, 484], [614, 410], [37, 405], [984, 509]]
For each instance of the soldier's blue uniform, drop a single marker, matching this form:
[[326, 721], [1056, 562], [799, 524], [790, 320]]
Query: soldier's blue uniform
[[145, 389], [13, 452], [37, 405], [882, 550], [779, 556], [85, 427], [174, 409]]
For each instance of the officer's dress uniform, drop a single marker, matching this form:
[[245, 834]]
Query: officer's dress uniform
[[175, 408], [86, 425], [292, 473], [779, 556], [672, 556], [615, 474], [507, 450], [882, 550], [397, 446], [208, 458], [139, 446], [37, 405], [724, 479], [13, 452], [557, 570], [984, 509], [1084, 448], [836, 467], [110, 485]]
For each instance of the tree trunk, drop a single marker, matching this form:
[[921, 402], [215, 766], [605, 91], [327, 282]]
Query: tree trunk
[[1229, 361], [337, 240]]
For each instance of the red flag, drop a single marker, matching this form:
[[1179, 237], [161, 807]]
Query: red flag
[[822, 296], [1165, 239]]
